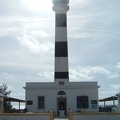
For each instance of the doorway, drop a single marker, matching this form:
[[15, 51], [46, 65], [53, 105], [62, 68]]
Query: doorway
[[61, 105]]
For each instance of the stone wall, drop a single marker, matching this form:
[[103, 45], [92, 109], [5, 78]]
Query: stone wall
[[27, 116], [94, 116]]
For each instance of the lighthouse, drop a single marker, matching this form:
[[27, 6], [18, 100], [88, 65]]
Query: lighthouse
[[61, 72], [61, 95]]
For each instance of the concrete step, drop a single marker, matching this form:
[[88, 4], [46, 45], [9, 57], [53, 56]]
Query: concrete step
[[61, 118]]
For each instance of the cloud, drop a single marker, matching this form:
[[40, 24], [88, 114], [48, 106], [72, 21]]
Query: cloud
[[89, 73], [107, 93], [85, 73], [35, 41], [47, 74], [27, 43], [118, 65], [7, 76], [82, 35], [79, 75], [115, 86], [113, 90], [29, 8], [15, 25]]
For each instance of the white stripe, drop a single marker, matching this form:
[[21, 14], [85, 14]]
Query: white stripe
[[61, 34], [61, 64]]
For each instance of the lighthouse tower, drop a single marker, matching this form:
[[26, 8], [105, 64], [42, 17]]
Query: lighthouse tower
[[61, 95], [61, 48]]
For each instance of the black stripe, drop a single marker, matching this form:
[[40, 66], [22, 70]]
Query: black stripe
[[61, 49], [61, 75], [61, 20]]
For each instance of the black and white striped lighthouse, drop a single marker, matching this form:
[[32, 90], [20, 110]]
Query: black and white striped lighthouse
[[61, 48]]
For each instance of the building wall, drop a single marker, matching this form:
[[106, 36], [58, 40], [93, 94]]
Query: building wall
[[1, 104], [51, 97]]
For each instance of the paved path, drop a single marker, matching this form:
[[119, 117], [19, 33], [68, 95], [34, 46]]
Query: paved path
[[61, 118]]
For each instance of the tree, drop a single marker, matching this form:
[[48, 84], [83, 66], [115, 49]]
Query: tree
[[4, 90]]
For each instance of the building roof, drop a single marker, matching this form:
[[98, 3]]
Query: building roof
[[1, 95], [13, 99], [10, 98], [56, 85], [118, 94], [109, 99]]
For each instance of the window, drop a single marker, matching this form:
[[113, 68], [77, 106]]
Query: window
[[94, 104], [61, 93], [82, 102], [41, 102], [93, 101], [29, 102], [61, 82]]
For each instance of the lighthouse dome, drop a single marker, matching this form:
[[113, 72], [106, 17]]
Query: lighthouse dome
[[60, 1]]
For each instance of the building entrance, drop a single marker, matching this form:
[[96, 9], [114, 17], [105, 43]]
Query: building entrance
[[61, 106]]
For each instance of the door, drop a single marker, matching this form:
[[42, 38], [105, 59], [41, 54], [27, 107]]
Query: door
[[61, 105]]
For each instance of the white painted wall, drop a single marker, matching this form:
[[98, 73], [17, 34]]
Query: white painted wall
[[1, 104], [91, 93], [50, 92]]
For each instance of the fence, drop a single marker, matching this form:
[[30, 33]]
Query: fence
[[27, 116], [94, 116]]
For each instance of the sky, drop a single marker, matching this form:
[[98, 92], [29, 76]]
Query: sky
[[27, 37]]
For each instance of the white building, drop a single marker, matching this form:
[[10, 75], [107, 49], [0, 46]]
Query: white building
[[61, 95], [1, 102], [41, 97]]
